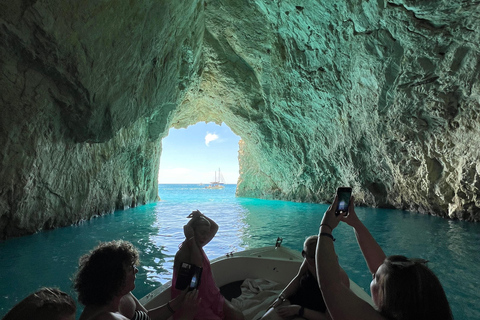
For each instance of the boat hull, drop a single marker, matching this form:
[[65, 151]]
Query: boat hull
[[277, 264]]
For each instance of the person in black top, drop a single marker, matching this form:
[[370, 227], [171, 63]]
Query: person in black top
[[302, 296]]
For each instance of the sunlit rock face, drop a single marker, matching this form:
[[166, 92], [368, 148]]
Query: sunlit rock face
[[382, 96]]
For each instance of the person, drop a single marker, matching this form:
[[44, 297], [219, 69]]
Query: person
[[44, 304], [199, 231], [105, 279], [401, 288], [302, 296]]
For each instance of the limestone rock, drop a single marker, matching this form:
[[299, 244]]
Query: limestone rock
[[379, 95], [86, 93]]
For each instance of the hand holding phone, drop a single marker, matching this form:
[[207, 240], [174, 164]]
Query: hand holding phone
[[189, 276], [344, 194]]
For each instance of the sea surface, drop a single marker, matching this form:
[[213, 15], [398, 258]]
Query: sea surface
[[50, 258]]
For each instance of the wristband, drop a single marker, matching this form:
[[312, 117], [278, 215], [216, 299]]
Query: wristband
[[324, 234]]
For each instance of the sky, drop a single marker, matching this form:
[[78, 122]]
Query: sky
[[193, 155]]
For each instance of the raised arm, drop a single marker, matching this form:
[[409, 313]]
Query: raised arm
[[342, 303], [213, 225], [189, 251], [371, 250]]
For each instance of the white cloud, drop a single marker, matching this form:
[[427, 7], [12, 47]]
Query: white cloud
[[210, 137]]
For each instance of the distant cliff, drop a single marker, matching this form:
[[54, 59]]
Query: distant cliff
[[380, 95]]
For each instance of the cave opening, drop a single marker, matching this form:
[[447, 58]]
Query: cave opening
[[192, 155]]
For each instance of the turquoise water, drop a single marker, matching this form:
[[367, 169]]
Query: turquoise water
[[50, 258]]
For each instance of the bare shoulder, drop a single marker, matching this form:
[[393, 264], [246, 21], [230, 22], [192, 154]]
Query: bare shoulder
[[127, 305]]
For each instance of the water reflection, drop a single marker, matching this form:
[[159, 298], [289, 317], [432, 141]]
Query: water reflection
[[50, 258]]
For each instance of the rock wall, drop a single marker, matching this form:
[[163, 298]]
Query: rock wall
[[382, 96], [86, 94], [379, 95]]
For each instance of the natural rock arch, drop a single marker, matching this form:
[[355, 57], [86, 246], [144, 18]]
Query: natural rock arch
[[379, 95]]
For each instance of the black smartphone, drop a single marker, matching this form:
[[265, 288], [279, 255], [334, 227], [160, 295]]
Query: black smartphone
[[344, 194], [189, 276]]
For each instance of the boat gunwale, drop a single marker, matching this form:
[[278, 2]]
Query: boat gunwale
[[268, 254]]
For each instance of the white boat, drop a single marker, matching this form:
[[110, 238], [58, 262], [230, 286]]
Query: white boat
[[218, 183], [275, 264]]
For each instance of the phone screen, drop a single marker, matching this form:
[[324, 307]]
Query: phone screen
[[344, 194], [189, 276], [193, 283]]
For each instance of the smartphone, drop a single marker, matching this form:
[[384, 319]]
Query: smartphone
[[193, 283], [344, 194], [189, 276]]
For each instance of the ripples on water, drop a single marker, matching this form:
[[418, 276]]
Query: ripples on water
[[50, 258]]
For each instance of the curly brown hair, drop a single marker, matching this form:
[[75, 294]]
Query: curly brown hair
[[101, 273]]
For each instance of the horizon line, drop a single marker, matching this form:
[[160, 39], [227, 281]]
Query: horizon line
[[199, 183]]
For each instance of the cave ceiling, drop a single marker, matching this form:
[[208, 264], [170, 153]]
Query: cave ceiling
[[379, 95]]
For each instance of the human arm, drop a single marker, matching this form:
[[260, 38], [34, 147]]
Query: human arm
[[190, 305], [291, 288], [341, 302], [371, 250], [294, 310], [213, 225], [189, 252]]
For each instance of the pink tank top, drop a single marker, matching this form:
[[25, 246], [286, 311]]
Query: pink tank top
[[211, 307]]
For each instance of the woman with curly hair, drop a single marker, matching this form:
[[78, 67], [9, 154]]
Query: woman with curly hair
[[105, 279]]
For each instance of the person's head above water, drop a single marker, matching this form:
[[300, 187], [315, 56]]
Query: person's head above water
[[405, 288], [44, 304]]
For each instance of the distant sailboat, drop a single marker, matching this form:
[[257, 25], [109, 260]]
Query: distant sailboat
[[218, 183]]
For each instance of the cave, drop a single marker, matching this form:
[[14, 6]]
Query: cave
[[379, 95]]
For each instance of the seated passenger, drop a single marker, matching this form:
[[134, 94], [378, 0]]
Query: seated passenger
[[199, 231], [105, 279], [401, 288], [45, 304], [302, 296]]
